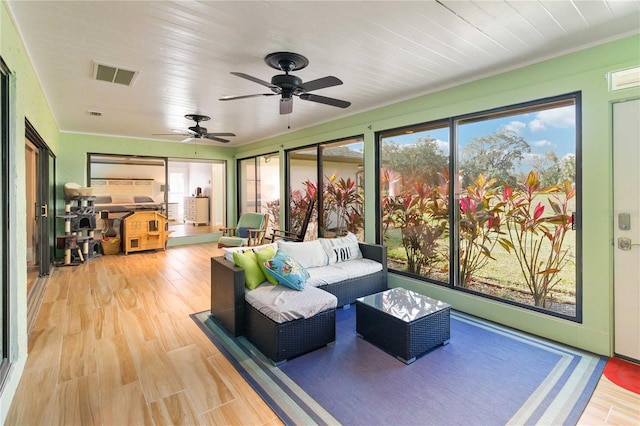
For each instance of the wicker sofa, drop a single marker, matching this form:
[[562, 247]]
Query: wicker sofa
[[284, 340]]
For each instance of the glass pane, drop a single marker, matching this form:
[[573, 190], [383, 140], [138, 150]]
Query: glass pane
[[414, 189], [516, 204], [303, 187], [343, 188], [247, 187], [268, 187], [5, 196]]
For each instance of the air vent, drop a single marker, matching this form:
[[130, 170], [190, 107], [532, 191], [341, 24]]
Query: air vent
[[624, 79], [114, 74], [95, 113]]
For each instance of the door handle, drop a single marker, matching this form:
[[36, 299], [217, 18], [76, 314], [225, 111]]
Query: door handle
[[625, 243], [44, 210]]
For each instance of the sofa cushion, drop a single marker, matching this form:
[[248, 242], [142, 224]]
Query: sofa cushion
[[342, 248], [341, 271], [253, 275], [262, 256], [308, 253], [282, 304], [287, 270], [228, 251]]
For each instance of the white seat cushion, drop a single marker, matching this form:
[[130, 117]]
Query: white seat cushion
[[341, 271], [283, 304]]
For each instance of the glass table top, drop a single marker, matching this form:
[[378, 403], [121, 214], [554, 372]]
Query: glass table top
[[403, 304]]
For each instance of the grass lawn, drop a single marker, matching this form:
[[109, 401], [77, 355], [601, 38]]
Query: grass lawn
[[505, 270]]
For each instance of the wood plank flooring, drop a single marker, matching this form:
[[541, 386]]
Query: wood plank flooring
[[113, 344]]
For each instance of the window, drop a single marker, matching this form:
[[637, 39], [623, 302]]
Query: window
[[414, 190], [510, 233], [337, 167]]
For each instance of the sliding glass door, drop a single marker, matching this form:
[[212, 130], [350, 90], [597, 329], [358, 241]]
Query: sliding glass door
[[336, 170], [5, 196], [259, 187]]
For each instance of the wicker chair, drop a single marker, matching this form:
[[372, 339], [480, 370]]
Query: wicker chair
[[250, 231]]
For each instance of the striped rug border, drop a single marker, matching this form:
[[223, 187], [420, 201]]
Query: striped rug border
[[559, 399]]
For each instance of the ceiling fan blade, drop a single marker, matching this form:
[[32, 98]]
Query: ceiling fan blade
[[286, 105], [230, 98], [220, 134], [214, 138], [189, 139], [168, 134], [255, 80], [325, 100], [320, 83]]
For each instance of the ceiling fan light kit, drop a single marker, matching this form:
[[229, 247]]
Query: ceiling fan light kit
[[287, 85]]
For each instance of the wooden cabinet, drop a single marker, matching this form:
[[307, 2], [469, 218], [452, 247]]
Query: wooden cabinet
[[144, 230], [196, 210]]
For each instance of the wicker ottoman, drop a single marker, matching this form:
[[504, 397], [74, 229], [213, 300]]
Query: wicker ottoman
[[402, 322]]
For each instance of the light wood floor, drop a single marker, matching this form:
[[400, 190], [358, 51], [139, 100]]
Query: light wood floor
[[188, 229], [113, 344]]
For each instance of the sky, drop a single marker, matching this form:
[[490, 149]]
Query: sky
[[547, 130]]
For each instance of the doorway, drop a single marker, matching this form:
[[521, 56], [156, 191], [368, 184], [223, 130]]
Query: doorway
[[40, 198], [197, 196], [626, 199], [40, 195], [31, 154]]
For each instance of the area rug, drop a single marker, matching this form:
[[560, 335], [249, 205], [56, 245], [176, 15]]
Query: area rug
[[487, 374], [624, 374]]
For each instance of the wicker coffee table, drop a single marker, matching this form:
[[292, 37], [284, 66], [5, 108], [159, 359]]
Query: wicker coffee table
[[402, 322]]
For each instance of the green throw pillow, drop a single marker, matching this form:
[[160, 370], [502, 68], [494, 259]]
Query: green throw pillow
[[262, 256], [253, 275]]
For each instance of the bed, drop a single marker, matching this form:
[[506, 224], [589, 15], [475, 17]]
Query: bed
[[126, 205], [117, 195]]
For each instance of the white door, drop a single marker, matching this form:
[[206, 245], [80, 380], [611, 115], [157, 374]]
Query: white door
[[626, 199]]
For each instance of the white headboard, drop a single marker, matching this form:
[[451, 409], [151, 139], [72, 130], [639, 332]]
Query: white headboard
[[123, 187]]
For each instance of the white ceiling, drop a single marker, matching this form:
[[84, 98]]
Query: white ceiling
[[383, 51]]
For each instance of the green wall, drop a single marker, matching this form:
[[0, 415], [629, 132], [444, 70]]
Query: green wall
[[581, 71], [27, 101]]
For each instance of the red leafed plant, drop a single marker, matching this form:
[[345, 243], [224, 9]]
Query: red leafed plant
[[420, 212], [530, 231], [479, 223]]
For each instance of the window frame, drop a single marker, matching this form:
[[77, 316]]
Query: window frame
[[572, 98], [5, 220], [319, 175], [239, 169]]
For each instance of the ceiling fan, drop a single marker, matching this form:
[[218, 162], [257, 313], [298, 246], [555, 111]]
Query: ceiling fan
[[289, 85], [198, 132]]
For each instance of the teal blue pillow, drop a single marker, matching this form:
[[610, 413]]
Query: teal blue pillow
[[286, 270]]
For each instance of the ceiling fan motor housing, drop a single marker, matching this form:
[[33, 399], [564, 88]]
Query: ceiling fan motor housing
[[288, 83], [199, 131]]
